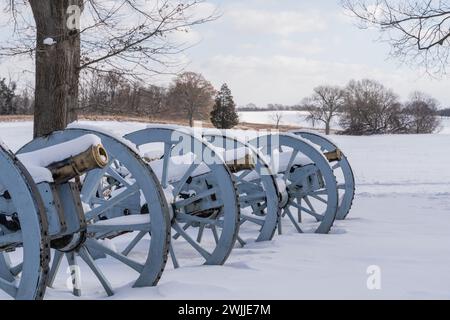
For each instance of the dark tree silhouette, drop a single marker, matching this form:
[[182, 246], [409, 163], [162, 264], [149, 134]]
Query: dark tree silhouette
[[224, 115]]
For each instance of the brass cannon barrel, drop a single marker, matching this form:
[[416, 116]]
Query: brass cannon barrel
[[333, 156], [95, 157]]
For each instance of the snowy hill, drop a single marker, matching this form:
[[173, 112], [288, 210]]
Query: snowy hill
[[400, 222]]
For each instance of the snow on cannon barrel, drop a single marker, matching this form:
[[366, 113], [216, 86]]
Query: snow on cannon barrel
[[60, 163], [95, 157]]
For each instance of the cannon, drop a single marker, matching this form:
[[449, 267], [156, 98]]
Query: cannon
[[341, 169], [95, 206], [293, 178], [200, 190], [256, 186], [84, 194], [309, 172]]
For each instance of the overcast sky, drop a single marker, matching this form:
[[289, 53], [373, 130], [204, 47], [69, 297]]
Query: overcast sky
[[277, 51], [272, 51]]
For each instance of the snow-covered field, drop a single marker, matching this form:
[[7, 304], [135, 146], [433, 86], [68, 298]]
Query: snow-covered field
[[400, 222], [289, 118], [298, 119]]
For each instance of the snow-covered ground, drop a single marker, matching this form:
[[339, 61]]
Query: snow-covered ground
[[289, 118], [400, 222], [298, 119]]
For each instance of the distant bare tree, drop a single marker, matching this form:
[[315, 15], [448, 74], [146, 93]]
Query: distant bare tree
[[154, 101], [191, 95], [371, 108], [418, 30], [421, 111], [277, 117], [324, 105]]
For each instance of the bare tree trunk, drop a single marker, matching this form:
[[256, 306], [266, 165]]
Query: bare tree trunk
[[57, 66], [327, 128]]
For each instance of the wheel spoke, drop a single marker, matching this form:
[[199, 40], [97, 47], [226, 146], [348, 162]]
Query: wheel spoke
[[134, 242], [204, 221], [57, 258], [8, 287], [91, 182], [291, 217], [255, 197], [201, 229], [322, 192], [118, 256], [111, 172], [72, 261], [241, 241], [185, 227], [319, 198], [280, 226], [125, 223], [166, 161], [259, 222], [260, 208], [214, 232], [205, 254], [308, 211], [309, 204], [110, 203], [290, 164], [175, 263], [17, 269], [84, 254], [182, 182], [186, 202]]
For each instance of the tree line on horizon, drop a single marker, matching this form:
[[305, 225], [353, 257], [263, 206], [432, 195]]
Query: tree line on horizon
[[362, 107], [188, 98]]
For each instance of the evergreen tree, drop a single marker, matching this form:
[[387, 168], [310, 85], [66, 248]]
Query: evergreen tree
[[224, 115], [7, 97]]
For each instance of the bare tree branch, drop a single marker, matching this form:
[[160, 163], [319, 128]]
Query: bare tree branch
[[417, 30]]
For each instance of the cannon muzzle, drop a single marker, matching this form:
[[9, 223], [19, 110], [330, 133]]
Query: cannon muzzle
[[334, 156], [95, 157]]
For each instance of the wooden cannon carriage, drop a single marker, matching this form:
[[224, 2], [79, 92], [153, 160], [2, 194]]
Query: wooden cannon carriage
[[85, 195]]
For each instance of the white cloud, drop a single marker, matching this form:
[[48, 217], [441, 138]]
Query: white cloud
[[282, 23], [288, 79], [310, 47]]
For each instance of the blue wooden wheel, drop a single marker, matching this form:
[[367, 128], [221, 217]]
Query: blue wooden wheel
[[342, 170], [305, 181], [200, 189], [24, 245], [258, 194], [112, 200]]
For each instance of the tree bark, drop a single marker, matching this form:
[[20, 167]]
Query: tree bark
[[327, 128], [57, 66]]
